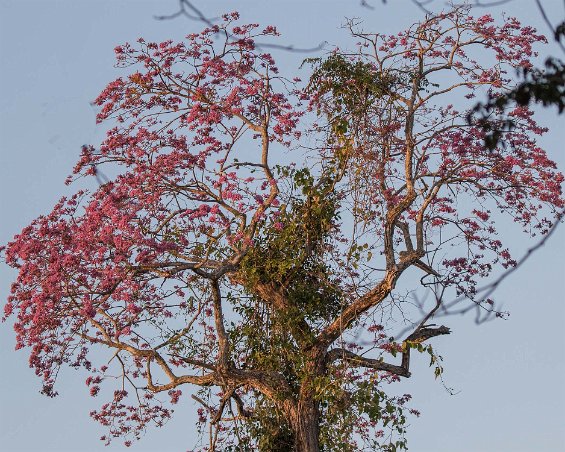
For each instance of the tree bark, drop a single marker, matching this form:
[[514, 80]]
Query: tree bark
[[306, 426]]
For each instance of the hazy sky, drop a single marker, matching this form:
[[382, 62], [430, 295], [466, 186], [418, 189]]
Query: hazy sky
[[56, 56]]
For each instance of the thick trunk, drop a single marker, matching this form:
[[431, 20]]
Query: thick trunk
[[306, 426]]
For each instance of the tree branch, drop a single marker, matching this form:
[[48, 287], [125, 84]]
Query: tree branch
[[353, 311], [420, 335], [299, 328], [360, 361], [223, 341]]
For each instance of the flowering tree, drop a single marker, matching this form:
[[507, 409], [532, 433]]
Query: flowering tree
[[270, 287]]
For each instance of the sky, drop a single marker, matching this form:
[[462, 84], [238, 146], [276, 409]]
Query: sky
[[56, 56]]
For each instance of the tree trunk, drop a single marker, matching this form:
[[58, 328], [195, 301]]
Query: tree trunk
[[306, 426]]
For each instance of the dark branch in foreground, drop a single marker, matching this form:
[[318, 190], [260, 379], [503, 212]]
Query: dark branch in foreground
[[191, 12]]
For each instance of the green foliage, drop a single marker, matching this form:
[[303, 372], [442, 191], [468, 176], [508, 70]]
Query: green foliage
[[270, 428], [435, 359], [346, 89], [348, 409], [268, 346], [352, 85], [292, 256], [266, 339]]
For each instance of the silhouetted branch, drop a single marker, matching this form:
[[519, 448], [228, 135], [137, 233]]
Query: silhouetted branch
[[490, 288], [421, 4], [191, 12], [558, 31]]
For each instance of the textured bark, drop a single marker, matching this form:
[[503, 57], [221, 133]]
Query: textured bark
[[305, 419], [306, 426]]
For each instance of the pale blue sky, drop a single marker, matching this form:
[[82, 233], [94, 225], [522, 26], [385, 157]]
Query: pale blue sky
[[55, 57]]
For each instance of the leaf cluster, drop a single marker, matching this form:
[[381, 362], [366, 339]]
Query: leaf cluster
[[346, 411], [351, 87], [292, 255]]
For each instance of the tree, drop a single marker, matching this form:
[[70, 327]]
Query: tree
[[210, 260]]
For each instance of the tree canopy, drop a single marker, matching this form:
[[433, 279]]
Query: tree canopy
[[252, 243]]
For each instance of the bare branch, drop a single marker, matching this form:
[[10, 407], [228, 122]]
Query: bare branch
[[360, 361], [191, 12]]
